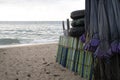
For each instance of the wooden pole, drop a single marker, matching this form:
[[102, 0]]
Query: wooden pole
[[63, 24], [68, 24]]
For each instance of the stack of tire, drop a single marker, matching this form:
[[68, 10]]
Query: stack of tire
[[78, 25]]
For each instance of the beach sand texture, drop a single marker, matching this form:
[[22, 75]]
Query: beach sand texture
[[32, 62]]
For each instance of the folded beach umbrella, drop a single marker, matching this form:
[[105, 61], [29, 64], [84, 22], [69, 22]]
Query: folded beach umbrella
[[103, 27], [94, 41], [115, 47], [116, 6], [93, 18], [92, 25], [111, 14], [87, 15]]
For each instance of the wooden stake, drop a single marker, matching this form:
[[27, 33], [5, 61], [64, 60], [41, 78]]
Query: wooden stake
[[63, 24], [68, 24]]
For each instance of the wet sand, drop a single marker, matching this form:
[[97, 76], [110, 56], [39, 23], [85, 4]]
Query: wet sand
[[32, 62]]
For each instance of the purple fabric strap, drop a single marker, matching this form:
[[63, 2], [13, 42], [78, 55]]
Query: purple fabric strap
[[119, 48], [92, 45], [114, 49], [82, 38], [99, 53]]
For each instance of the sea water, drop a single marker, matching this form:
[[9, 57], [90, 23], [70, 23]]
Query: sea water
[[28, 32]]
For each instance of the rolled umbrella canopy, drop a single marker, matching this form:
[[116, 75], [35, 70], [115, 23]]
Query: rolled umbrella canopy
[[94, 42], [93, 18], [104, 32], [114, 34], [93, 26], [116, 7], [87, 15]]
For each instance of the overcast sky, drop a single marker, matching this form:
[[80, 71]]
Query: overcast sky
[[38, 10]]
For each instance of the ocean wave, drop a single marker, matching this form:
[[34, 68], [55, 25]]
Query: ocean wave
[[10, 41], [29, 32], [7, 41]]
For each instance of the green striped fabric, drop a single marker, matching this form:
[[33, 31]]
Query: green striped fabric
[[68, 58], [70, 51], [72, 59], [64, 51], [87, 64], [75, 55], [76, 61], [59, 50], [71, 55], [81, 56]]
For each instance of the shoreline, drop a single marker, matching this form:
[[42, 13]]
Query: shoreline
[[23, 45]]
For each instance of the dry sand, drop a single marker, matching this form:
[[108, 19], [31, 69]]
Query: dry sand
[[32, 62]]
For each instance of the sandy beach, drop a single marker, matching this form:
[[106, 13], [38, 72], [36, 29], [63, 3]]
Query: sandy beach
[[32, 62]]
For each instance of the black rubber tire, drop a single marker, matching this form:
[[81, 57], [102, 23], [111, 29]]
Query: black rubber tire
[[78, 22], [76, 31], [77, 14]]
